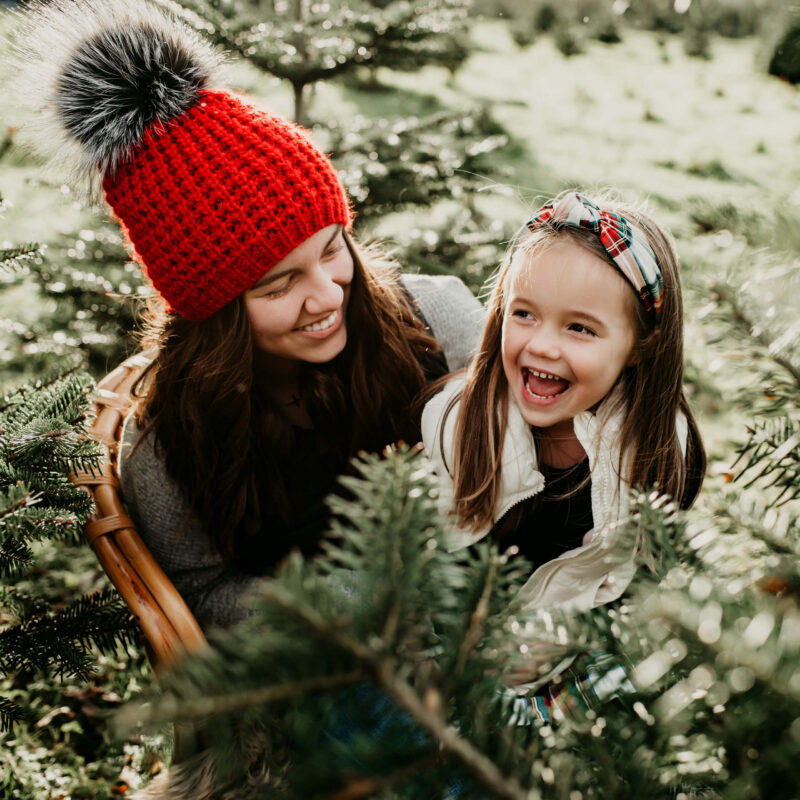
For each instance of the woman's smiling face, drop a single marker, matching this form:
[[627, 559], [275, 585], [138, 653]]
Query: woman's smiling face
[[297, 309], [568, 332]]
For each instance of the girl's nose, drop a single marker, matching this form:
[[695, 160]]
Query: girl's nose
[[325, 294], [544, 343]]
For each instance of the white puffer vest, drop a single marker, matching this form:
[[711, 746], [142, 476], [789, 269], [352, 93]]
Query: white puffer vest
[[600, 570]]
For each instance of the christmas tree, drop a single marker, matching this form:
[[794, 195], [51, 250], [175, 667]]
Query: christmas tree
[[90, 293], [302, 42], [42, 437], [388, 668]]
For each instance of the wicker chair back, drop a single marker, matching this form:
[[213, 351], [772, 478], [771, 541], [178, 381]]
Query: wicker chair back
[[168, 625]]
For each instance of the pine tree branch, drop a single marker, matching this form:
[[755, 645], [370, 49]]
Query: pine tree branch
[[481, 767], [728, 645], [474, 632], [10, 713], [27, 500], [189, 710], [13, 258], [383, 669], [728, 295]]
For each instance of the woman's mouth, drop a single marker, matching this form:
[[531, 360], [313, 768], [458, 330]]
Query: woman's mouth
[[323, 325], [543, 386]]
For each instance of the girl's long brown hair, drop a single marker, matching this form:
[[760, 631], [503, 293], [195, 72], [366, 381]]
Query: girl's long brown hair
[[651, 387], [221, 433]]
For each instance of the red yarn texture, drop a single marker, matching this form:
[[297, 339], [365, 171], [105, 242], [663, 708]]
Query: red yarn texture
[[217, 196]]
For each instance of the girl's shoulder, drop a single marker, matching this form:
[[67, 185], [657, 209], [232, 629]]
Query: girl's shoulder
[[441, 410]]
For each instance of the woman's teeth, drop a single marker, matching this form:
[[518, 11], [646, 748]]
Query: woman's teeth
[[321, 326]]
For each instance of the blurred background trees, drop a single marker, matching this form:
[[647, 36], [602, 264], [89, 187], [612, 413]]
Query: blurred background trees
[[447, 120]]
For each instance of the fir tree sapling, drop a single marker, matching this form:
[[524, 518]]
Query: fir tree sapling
[[88, 293], [42, 437], [692, 672], [303, 42]]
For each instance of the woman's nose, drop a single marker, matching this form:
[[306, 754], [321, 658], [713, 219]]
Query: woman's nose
[[325, 294]]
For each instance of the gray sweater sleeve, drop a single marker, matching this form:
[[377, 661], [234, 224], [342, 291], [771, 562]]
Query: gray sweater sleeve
[[212, 590], [454, 314], [175, 537]]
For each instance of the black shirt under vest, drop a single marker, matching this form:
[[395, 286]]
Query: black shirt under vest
[[548, 524]]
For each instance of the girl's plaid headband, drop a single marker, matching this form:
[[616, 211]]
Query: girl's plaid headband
[[625, 244]]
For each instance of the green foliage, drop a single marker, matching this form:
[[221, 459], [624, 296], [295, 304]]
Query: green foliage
[[785, 61], [692, 667], [568, 41], [399, 618], [66, 747], [390, 164], [730, 18], [90, 292], [15, 257], [714, 169], [571, 23], [772, 455], [94, 292], [42, 436], [467, 244], [303, 42]]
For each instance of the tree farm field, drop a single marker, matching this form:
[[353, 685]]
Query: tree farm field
[[710, 145]]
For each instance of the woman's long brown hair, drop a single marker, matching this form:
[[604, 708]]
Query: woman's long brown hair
[[208, 403], [651, 387]]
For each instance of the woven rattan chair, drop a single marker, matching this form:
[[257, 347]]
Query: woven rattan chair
[[168, 626]]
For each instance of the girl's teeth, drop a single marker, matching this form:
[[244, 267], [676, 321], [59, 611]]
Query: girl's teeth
[[546, 375]]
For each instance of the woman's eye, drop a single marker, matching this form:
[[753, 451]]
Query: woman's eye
[[578, 328], [283, 286], [334, 248]]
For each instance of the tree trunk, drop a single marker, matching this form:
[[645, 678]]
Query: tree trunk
[[300, 103]]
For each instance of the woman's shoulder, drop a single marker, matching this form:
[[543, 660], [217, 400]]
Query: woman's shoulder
[[453, 313]]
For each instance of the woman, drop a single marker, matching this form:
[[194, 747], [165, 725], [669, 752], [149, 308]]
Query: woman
[[281, 348]]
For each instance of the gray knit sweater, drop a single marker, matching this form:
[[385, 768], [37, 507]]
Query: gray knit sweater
[[212, 590]]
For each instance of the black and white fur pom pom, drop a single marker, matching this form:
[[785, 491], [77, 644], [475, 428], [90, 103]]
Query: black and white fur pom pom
[[100, 72]]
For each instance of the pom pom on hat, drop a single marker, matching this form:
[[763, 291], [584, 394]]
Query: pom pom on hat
[[211, 191], [99, 73]]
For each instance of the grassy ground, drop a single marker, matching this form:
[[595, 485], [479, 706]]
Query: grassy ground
[[710, 144]]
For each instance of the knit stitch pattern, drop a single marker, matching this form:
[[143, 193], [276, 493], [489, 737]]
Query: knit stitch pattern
[[214, 198]]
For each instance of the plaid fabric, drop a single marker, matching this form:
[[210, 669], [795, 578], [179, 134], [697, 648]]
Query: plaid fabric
[[624, 243], [590, 679]]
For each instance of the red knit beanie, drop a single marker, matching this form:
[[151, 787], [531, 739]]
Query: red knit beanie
[[211, 191], [218, 196]]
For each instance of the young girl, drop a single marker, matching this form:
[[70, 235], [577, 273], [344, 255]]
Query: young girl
[[575, 396], [279, 348]]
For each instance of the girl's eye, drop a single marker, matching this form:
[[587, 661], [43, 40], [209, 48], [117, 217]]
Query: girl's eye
[[578, 328], [521, 313]]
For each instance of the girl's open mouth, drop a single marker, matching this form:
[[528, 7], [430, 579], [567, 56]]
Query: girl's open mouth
[[543, 385]]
